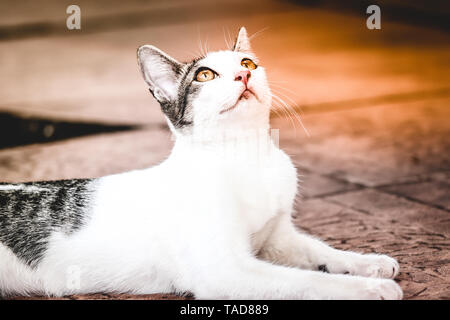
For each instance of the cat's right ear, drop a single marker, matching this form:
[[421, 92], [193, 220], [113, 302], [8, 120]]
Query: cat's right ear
[[160, 71], [242, 43]]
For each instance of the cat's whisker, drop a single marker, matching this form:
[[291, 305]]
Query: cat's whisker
[[206, 46], [230, 39], [275, 110], [278, 81], [199, 41], [289, 109], [286, 111], [295, 114], [281, 108], [295, 107], [226, 40], [278, 86], [257, 33], [277, 91], [202, 49]]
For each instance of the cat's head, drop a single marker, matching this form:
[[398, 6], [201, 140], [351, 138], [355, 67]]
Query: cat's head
[[224, 90]]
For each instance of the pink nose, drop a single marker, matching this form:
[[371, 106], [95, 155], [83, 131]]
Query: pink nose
[[243, 76]]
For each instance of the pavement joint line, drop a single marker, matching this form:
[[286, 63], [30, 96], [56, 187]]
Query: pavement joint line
[[420, 179], [333, 193], [324, 197], [428, 204], [360, 187], [347, 206], [419, 292], [331, 176]]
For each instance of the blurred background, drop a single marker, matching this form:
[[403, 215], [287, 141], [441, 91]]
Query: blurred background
[[375, 103]]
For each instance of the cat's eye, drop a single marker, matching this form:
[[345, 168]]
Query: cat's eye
[[249, 64], [205, 75]]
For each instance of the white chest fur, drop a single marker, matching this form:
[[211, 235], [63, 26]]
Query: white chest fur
[[257, 179], [251, 187]]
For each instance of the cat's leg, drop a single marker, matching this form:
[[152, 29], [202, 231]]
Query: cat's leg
[[251, 278], [288, 246]]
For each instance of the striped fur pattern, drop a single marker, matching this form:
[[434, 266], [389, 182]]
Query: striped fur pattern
[[30, 212]]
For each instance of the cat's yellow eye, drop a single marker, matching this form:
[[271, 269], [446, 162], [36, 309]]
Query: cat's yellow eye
[[249, 64], [205, 75]]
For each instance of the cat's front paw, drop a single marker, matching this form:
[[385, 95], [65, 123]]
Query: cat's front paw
[[382, 289], [375, 266]]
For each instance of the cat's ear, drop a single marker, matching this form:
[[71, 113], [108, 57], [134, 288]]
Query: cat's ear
[[160, 71], [242, 43]]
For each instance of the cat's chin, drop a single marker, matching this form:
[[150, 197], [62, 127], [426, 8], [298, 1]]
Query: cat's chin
[[247, 94], [230, 108]]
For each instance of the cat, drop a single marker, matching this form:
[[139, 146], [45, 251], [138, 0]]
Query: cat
[[213, 219]]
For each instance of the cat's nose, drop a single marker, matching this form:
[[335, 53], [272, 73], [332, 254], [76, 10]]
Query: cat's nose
[[243, 76]]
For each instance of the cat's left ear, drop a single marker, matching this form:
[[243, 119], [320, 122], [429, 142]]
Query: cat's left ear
[[242, 43], [160, 71]]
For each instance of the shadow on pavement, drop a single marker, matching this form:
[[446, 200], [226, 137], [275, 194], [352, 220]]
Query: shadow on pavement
[[16, 130]]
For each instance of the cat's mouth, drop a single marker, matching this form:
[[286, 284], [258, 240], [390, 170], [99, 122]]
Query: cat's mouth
[[246, 94]]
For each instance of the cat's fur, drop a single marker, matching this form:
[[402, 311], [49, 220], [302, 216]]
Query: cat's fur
[[213, 219]]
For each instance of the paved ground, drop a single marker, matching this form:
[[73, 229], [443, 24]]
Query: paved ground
[[375, 168]]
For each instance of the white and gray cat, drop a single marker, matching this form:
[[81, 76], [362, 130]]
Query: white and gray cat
[[213, 219]]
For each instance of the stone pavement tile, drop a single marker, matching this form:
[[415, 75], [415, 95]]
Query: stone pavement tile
[[312, 185], [423, 256], [85, 157], [443, 176], [76, 80], [339, 224], [432, 192], [373, 145], [393, 208], [422, 291]]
